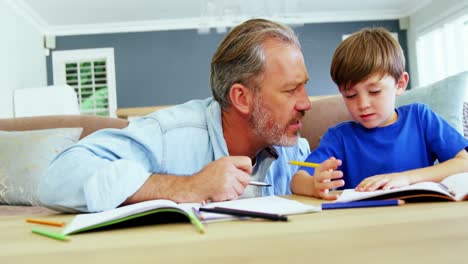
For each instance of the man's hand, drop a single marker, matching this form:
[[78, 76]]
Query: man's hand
[[220, 180], [223, 179]]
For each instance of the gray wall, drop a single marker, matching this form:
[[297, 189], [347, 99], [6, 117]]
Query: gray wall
[[170, 67]]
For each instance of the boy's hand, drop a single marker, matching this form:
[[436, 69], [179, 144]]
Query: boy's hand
[[325, 178], [384, 182]]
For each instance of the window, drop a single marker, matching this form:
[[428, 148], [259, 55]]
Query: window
[[442, 51], [91, 73]]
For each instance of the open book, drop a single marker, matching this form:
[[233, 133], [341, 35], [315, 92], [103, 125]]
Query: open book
[[452, 188], [157, 211]]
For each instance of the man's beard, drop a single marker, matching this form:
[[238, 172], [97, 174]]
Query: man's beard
[[266, 128]]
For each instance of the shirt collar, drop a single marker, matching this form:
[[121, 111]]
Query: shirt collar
[[215, 129]]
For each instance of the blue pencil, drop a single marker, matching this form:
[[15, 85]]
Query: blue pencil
[[358, 204]]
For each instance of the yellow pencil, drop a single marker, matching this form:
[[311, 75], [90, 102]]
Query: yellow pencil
[[303, 163], [45, 222]]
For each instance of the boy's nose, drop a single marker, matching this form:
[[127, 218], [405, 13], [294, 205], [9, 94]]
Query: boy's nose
[[363, 102]]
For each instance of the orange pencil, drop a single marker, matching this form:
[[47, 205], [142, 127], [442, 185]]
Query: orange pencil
[[45, 222]]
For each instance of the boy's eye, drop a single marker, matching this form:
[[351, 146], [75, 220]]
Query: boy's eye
[[350, 96], [375, 92]]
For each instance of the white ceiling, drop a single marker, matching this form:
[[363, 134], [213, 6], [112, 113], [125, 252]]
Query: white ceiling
[[69, 17]]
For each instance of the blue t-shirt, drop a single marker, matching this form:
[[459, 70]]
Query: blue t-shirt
[[415, 140]]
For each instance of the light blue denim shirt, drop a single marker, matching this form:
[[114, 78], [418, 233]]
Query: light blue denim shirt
[[105, 168]]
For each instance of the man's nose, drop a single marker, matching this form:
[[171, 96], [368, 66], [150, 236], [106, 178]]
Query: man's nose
[[303, 104]]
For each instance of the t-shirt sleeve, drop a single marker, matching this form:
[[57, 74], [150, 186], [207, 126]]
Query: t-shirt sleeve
[[329, 147], [443, 140]]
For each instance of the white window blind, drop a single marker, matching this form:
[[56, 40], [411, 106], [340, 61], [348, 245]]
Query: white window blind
[[91, 73], [442, 51]]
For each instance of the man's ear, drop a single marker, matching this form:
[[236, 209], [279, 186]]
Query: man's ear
[[241, 98], [402, 83]]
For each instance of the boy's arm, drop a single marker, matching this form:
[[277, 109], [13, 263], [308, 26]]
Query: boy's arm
[[435, 173], [302, 183]]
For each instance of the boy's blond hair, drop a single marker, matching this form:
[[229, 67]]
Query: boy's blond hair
[[364, 53]]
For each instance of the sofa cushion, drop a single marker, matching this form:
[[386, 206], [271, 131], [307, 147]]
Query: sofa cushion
[[323, 113], [465, 119], [24, 156], [445, 97], [89, 123]]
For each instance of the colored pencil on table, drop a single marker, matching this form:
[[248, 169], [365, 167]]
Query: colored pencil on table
[[45, 222], [50, 234], [360, 204], [237, 212]]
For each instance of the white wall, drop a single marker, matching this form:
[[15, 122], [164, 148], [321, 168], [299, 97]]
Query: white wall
[[424, 20], [22, 57]]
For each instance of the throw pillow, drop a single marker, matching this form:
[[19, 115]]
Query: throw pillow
[[445, 97], [465, 119], [24, 156]]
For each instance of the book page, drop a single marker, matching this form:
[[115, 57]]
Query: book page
[[206, 217], [458, 184], [268, 204], [265, 204], [352, 195], [86, 220]]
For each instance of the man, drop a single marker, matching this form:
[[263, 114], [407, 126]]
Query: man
[[203, 150]]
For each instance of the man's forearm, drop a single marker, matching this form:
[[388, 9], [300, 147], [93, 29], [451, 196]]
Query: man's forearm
[[163, 186]]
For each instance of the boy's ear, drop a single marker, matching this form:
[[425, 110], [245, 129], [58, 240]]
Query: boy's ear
[[241, 98], [402, 83]]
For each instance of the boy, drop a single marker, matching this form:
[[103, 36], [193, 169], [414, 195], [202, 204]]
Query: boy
[[383, 147]]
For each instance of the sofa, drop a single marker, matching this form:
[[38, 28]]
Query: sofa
[[446, 97], [36, 132]]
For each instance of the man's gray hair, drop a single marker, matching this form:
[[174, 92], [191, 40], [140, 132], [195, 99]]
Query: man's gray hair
[[240, 57]]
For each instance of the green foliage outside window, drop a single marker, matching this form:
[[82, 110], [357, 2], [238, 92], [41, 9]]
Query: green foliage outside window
[[89, 80]]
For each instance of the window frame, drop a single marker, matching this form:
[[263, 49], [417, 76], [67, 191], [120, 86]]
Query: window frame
[[62, 57]]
